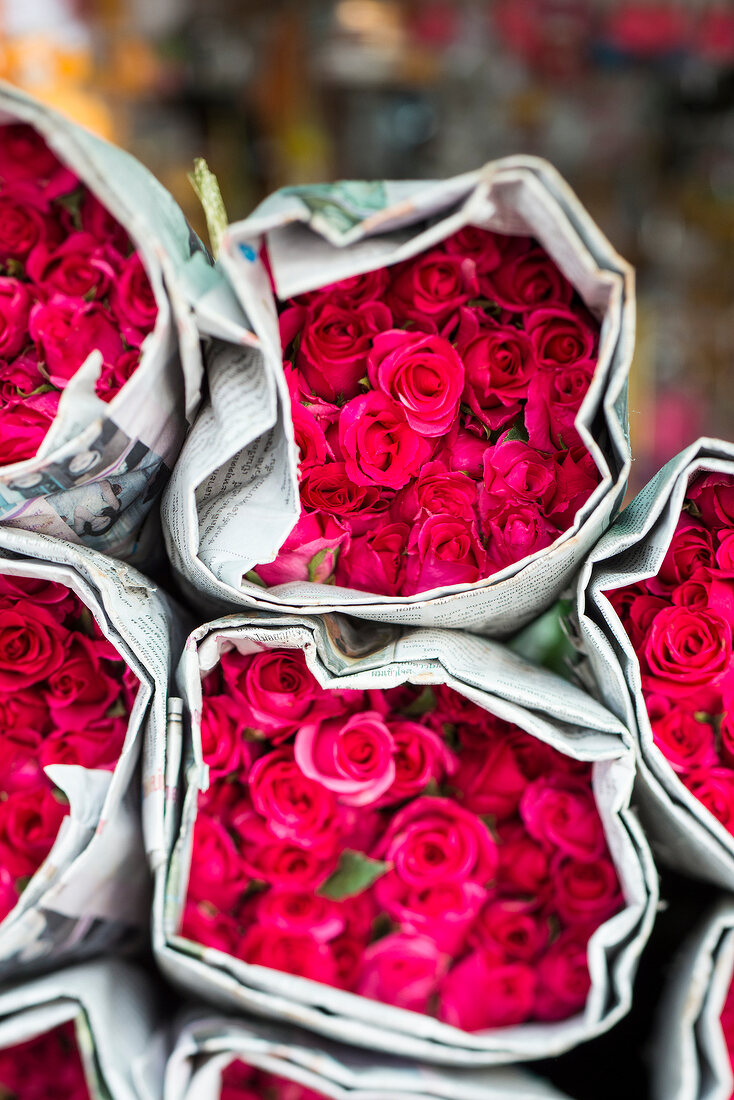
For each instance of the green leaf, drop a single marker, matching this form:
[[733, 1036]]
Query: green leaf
[[255, 579], [85, 622], [318, 560], [117, 710], [353, 875], [518, 430], [422, 703], [206, 186], [73, 204]]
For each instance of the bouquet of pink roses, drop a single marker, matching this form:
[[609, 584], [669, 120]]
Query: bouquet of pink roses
[[413, 831], [84, 646], [99, 355], [656, 605], [217, 1058], [448, 371]]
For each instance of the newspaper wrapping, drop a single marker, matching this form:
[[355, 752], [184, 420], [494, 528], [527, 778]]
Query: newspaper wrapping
[[205, 1045], [690, 1058], [93, 889], [233, 497], [101, 467], [684, 833], [504, 684], [112, 1006]]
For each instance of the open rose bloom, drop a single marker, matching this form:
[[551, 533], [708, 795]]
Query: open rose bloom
[[656, 611], [425, 849], [216, 1058], [83, 669], [429, 424], [99, 355], [76, 1034], [693, 1052]]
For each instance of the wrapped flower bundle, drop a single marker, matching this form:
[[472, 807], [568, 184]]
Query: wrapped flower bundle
[[401, 849], [84, 666], [66, 696], [48, 1066], [220, 1058], [100, 363], [434, 408], [72, 284], [406, 845], [693, 1052], [431, 404], [656, 608]]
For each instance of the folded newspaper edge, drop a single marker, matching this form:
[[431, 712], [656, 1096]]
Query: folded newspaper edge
[[690, 1060], [93, 888], [685, 834], [205, 1045], [233, 496], [113, 1008], [102, 466], [505, 684]]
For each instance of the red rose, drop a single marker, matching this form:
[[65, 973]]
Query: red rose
[[31, 645], [378, 444], [443, 911], [66, 332], [276, 687], [402, 970], [295, 807], [357, 290], [26, 158], [422, 373], [292, 953], [15, 305], [714, 787], [134, 301], [690, 549], [335, 340], [280, 862], [23, 427], [436, 492], [527, 281], [482, 246], [432, 287], [499, 364], [79, 267], [81, 689], [563, 977], [483, 992], [515, 531], [587, 891], [434, 840], [560, 811], [444, 550], [29, 822], [561, 337], [222, 736], [686, 650], [555, 395], [21, 226], [328, 489], [510, 927], [683, 740], [310, 439], [375, 562], [217, 874]]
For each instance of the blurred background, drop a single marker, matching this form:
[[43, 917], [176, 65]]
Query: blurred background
[[633, 100]]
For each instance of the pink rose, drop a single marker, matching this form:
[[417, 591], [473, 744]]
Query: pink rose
[[309, 553], [433, 840], [691, 548], [714, 787], [515, 531], [686, 650], [217, 874], [422, 373], [31, 645], [510, 927], [524, 863], [201, 923], [563, 977], [463, 452], [483, 992], [300, 913], [431, 288], [421, 757], [402, 970], [23, 427], [222, 736], [295, 807], [134, 303], [113, 376], [561, 337], [29, 822], [57, 598], [21, 226], [80, 690], [560, 811], [19, 765], [357, 290], [555, 395], [725, 552], [96, 744], [576, 477], [20, 378], [353, 758], [586, 891], [376, 562], [527, 281], [490, 779], [378, 444], [437, 491], [310, 439], [24, 710], [282, 863], [66, 332], [444, 550], [26, 158], [276, 686], [97, 220], [78, 267], [684, 741], [713, 494], [335, 341], [289, 952], [514, 471], [637, 610], [443, 912], [15, 305], [499, 364]]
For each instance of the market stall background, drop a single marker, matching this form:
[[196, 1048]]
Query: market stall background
[[632, 101]]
